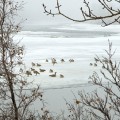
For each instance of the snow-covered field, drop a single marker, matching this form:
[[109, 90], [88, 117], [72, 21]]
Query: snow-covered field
[[80, 42]]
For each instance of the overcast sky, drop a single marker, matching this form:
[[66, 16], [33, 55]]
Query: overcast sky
[[33, 10]]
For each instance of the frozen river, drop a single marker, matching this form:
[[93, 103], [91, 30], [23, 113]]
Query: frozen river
[[80, 42]]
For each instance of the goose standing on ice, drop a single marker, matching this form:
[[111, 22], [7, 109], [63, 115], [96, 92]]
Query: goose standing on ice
[[38, 65], [46, 60], [62, 60], [95, 64], [61, 76], [91, 64], [50, 70], [53, 61], [32, 69], [42, 70], [53, 75], [33, 64], [28, 73], [71, 60], [36, 72]]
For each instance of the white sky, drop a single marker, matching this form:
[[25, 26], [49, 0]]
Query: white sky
[[33, 10]]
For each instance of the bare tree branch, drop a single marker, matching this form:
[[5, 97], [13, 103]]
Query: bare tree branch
[[90, 15]]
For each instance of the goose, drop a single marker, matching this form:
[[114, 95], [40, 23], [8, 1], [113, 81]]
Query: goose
[[91, 64], [95, 64], [28, 73], [53, 61], [61, 76], [50, 70], [33, 64], [36, 72], [62, 60], [71, 60], [53, 75], [42, 70], [46, 60], [38, 65], [32, 69]]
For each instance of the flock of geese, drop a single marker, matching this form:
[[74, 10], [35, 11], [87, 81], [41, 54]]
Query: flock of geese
[[54, 61], [95, 64], [36, 72]]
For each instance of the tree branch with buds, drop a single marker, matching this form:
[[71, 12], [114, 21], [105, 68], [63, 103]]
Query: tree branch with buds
[[90, 14]]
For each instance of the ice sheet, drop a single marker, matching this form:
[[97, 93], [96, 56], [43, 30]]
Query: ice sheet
[[82, 50]]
